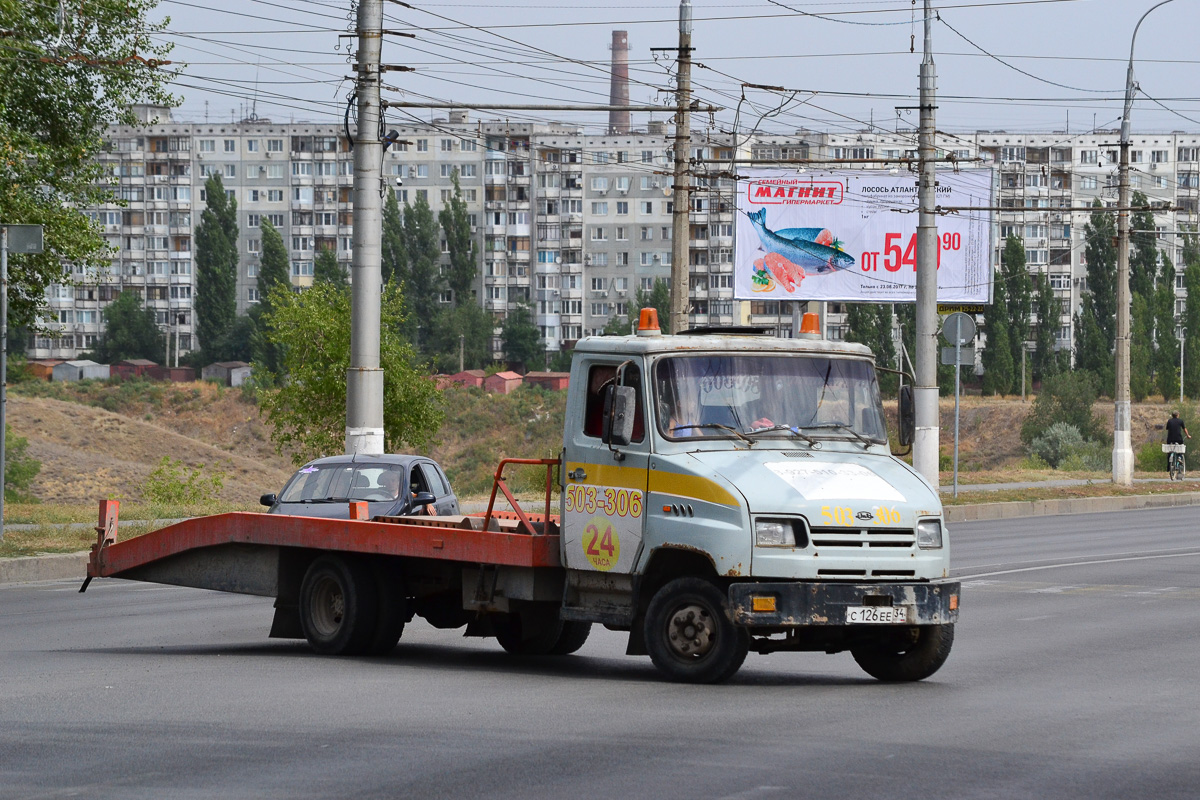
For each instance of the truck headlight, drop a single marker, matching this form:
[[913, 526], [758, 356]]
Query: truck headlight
[[929, 534], [774, 533]]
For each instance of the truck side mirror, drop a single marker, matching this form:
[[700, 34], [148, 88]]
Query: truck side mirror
[[619, 406], [908, 416]]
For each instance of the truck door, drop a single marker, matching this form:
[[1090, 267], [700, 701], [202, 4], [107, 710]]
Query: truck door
[[604, 485]]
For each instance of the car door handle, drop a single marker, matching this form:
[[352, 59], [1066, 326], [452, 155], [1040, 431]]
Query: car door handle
[[577, 474]]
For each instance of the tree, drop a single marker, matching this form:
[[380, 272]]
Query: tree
[[394, 262], [129, 331], [997, 355], [216, 270], [617, 326], [1143, 251], [470, 322], [1047, 310], [243, 340], [308, 412], [456, 226], [906, 319], [1067, 397], [1191, 314], [871, 324], [1092, 353], [1018, 287], [1166, 345], [1141, 347], [273, 278], [327, 269], [658, 298], [1101, 254], [61, 85], [19, 468], [522, 340], [424, 282]]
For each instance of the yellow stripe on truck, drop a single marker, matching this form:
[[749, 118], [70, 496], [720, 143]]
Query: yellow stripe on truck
[[692, 487]]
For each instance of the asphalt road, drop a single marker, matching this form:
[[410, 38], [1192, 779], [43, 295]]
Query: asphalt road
[[1073, 675]]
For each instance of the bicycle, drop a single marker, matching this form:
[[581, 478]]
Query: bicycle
[[1176, 464]]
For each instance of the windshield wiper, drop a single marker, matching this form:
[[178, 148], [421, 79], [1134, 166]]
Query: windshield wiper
[[813, 443], [323, 500], [734, 431], [843, 427]]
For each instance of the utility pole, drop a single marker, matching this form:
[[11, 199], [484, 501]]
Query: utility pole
[[364, 379], [683, 145], [925, 391], [1122, 455]]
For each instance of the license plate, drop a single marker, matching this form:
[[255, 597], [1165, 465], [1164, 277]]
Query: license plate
[[885, 615]]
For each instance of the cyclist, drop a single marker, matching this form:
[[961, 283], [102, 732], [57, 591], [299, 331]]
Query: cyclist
[[1176, 430]]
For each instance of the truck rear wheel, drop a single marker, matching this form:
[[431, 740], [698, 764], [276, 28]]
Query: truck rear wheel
[[914, 655], [573, 636], [338, 606], [392, 612], [690, 634], [533, 632]]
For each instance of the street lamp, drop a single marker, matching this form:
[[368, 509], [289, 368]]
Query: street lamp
[[1122, 456]]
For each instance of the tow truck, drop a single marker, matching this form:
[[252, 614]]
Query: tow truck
[[719, 492]]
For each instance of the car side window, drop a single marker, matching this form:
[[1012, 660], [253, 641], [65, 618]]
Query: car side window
[[434, 481]]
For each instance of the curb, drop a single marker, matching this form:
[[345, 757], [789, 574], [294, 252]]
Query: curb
[[979, 512], [74, 565], [55, 567]]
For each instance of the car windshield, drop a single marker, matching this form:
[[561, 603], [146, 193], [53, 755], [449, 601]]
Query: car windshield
[[752, 396], [329, 483]]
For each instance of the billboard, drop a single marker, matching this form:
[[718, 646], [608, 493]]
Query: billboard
[[851, 235]]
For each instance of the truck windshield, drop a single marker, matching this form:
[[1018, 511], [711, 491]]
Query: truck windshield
[[724, 396]]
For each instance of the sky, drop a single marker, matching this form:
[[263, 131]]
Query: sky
[[1018, 65]]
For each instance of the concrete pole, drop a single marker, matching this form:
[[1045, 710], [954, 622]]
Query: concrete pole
[[1182, 337], [364, 380], [683, 143], [1122, 455], [925, 391]]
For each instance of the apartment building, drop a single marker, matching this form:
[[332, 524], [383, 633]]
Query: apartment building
[[571, 223]]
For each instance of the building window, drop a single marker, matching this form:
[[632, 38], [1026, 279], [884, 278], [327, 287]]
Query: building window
[[230, 145], [422, 145], [302, 268]]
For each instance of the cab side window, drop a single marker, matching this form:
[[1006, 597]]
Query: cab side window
[[601, 376]]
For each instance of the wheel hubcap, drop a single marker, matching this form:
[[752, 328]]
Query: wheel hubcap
[[690, 631], [328, 607]]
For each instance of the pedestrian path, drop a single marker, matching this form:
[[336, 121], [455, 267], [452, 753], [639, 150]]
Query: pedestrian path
[[1051, 484]]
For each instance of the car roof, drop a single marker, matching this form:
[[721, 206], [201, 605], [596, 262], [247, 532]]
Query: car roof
[[397, 459]]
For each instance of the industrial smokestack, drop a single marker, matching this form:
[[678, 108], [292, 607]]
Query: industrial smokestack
[[618, 95]]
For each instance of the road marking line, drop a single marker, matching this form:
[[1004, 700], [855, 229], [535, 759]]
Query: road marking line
[[1075, 564]]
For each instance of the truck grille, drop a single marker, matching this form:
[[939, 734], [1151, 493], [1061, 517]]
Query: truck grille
[[840, 537]]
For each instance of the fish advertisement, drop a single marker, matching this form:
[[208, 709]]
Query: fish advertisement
[[851, 236]]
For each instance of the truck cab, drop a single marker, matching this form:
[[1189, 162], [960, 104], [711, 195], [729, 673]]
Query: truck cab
[[723, 492]]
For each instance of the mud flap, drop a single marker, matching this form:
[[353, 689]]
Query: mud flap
[[286, 624]]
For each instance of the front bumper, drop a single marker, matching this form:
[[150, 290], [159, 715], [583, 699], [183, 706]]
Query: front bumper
[[811, 603]]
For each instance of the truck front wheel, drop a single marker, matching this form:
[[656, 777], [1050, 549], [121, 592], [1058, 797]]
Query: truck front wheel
[[913, 655], [690, 634], [338, 606]]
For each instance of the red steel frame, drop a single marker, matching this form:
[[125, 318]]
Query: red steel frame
[[415, 537]]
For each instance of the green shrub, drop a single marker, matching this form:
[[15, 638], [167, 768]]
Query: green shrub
[[171, 482], [1151, 458], [19, 468], [1088, 457], [1034, 461], [1068, 398], [1058, 442]]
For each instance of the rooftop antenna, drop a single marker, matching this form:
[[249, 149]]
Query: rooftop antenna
[[254, 105]]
